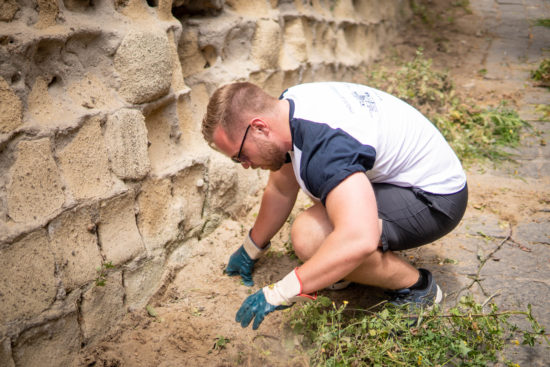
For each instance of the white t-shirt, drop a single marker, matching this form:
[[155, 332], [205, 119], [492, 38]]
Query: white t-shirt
[[341, 128]]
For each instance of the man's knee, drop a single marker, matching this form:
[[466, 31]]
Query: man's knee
[[308, 231]]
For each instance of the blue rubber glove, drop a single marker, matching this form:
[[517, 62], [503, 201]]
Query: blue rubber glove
[[241, 264], [255, 307]]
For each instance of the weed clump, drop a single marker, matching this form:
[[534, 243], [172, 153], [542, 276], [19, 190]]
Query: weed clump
[[542, 73], [469, 334], [474, 132]]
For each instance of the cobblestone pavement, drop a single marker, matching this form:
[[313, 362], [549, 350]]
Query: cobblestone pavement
[[493, 258]]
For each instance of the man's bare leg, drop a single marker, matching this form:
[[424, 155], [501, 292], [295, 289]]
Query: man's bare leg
[[380, 269]]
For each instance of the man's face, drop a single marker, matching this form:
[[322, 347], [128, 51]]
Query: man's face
[[256, 149]]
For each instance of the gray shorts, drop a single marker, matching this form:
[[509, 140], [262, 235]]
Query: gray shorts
[[413, 217]]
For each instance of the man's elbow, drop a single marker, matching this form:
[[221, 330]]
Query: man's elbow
[[366, 246]]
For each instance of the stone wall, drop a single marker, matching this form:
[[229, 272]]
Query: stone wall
[[104, 176]]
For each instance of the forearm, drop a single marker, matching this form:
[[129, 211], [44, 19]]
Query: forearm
[[337, 257], [274, 210]]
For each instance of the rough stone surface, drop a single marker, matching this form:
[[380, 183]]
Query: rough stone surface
[[145, 66], [27, 282], [74, 242], [85, 164], [117, 229], [8, 8], [10, 107], [159, 213], [53, 344], [102, 307], [143, 282], [35, 190], [5, 353], [190, 188], [126, 139], [265, 44], [294, 50]]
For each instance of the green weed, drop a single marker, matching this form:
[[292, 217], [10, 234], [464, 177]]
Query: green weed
[[473, 132], [220, 342], [544, 22], [544, 110], [102, 273], [469, 334], [542, 73]]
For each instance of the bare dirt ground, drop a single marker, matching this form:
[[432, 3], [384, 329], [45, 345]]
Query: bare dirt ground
[[195, 313]]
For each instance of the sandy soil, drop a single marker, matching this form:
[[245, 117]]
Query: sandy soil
[[195, 313]]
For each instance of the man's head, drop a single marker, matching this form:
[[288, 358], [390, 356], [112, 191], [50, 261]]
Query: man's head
[[241, 122]]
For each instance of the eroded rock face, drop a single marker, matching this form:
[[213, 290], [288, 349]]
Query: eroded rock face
[[145, 66], [27, 281], [126, 140], [10, 108], [36, 188], [104, 175]]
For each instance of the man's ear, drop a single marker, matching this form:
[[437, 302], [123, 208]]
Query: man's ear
[[260, 125]]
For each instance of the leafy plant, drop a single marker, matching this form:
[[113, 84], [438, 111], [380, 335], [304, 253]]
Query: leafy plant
[[220, 342], [543, 22], [542, 73], [102, 273], [469, 334]]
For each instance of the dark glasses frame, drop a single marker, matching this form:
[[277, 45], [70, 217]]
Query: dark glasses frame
[[237, 159]]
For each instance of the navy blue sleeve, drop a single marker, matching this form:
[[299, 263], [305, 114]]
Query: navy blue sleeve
[[329, 156]]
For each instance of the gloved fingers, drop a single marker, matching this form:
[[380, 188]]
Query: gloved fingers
[[245, 315], [247, 279], [258, 320], [231, 270]]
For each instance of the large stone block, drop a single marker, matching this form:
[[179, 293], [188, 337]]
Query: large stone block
[[142, 283], [231, 188], [159, 213], [35, 190], [8, 8], [84, 163], [266, 44], [75, 247], [50, 345], [144, 64], [126, 139], [118, 233], [102, 307], [10, 106], [191, 58], [27, 282], [190, 188], [5, 353], [294, 51]]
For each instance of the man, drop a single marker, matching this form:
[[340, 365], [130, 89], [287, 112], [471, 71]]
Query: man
[[382, 176]]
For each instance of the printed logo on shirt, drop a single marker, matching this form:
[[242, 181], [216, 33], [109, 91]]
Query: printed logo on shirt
[[366, 100]]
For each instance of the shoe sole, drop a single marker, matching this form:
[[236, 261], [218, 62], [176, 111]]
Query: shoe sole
[[338, 286]]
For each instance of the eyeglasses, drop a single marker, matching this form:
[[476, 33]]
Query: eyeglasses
[[237, 159]]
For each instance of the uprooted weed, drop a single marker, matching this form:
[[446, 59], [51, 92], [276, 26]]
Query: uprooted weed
[[469, 334], [474, 132]]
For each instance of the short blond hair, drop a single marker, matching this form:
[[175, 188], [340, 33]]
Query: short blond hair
[[230, 104]]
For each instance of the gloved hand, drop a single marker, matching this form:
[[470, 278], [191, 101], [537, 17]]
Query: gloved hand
[[241, 264], [255, 307], [278, 296], [242, 261]]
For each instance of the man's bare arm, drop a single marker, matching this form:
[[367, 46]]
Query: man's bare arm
[[277, 202], [351, 207]]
